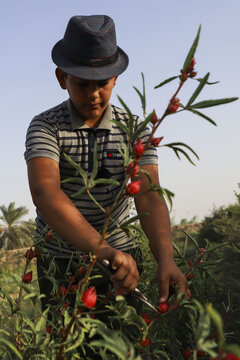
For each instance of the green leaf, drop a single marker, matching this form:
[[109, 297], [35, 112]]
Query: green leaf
[[130, 116], [142, 95], [121, 126], [176, 149], [77, 167], [73, 180], [185, 246], [141, 127], [41, 325], [202, 115], [209, 103], [133, 219], [218, 323], [11, 347], [208, 82], [166, 81], [107, 182], [191, 238], [79, 193], [124, 151], [95, 162], [168, 195], [198, 90], [192, 51]]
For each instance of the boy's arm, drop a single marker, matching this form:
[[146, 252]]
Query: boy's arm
[[156, 226], [63, 217]]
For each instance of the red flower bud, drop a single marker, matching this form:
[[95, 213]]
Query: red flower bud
[[48, 329], [73, 288], [190, 263], [89, 297], [138, 148], [154, 118], [192, 74], [191, 66], [190, 276], [186, 354], [173, 105], [27, 278], [133, 188], [65, 305], [30, 254], [146, 318], [163, 308], [184, 76], [145, 342], [85, 258], [81, 270], [62, 290], [231, 356], [132, 169], [156, 141], [71, 279], [49, 236], [202, 250], [201, 353]]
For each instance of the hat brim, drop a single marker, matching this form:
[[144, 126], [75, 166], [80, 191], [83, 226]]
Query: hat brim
[[89, 72]]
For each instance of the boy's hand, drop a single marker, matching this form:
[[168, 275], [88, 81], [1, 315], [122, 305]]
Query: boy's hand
[[126, 276], [170, 274]]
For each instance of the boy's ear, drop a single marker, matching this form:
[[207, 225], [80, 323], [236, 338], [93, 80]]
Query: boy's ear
[[61, 78], [115, 80]]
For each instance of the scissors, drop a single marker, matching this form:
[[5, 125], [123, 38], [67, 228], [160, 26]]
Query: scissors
[[105, 266]]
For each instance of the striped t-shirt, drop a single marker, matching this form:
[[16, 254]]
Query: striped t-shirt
[[61, 130]]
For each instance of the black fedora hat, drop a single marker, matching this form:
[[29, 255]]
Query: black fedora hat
[[89, 50]]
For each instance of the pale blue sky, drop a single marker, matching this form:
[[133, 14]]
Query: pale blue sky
[[157, 35]]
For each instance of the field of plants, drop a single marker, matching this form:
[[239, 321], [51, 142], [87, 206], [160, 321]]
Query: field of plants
[[83, 323]]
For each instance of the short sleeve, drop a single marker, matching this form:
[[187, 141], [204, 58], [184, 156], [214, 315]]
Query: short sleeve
[[150, 155], [41, 140]]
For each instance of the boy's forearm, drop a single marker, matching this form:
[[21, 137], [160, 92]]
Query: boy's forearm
[[156, 224]]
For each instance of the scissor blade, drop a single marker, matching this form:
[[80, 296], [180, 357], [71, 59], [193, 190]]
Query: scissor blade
[[105, 266]]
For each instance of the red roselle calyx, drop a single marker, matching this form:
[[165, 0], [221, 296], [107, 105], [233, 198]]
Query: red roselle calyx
[[138, 148], [132, 169], [89, 297], [186, 353], [145, 342], [231, 356], [30, 254], [27, 278], [73, 288], [191, 66], [173, 105], [49, 236], [156, 141], [184, 76], [81, 270], [146, 318], [133, 188], [163, 308], [154, 118], [62, 290]]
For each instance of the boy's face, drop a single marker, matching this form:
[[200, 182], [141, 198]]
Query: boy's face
[[90, 97]]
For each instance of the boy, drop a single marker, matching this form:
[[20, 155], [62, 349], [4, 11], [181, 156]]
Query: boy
[[88, 63]]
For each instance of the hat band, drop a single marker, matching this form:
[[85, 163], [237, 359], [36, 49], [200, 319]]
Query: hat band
[[93, 62]]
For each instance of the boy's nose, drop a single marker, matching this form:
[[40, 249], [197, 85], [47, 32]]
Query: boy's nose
[[93, 90]]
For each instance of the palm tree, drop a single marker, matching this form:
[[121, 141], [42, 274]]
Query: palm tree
[[14, 232]]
